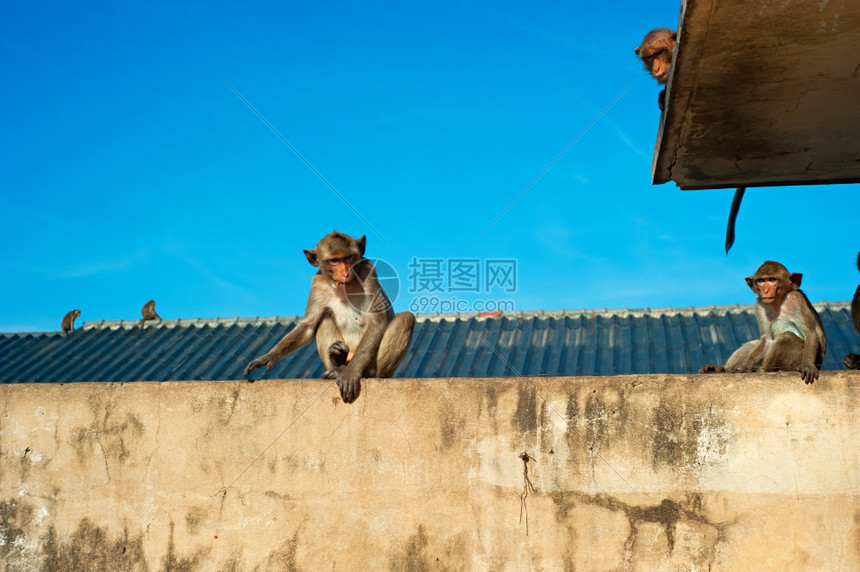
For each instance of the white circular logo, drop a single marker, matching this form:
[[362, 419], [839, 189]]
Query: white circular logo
[[388, 280]]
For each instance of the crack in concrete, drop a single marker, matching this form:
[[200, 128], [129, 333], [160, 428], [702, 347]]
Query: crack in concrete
[[104, 455]]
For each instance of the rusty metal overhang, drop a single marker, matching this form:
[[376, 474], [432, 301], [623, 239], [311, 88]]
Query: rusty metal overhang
[[762, 93]]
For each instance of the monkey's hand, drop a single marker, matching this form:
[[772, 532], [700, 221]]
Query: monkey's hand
[[808, 373], [259, 362], [338, 354], [349, 383], [711, 368], [852, 361]]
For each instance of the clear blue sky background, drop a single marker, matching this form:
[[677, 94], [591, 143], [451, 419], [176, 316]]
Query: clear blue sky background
[[130, 170]]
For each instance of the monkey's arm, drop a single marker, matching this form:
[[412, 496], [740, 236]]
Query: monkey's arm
[[295, 338], [363, 361], [804, 316], [808, 370]]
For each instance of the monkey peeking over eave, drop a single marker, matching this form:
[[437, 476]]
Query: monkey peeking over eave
[[656, 51], [792, 338]]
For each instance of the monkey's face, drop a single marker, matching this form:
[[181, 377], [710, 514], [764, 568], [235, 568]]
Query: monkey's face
[[339, 267], [656, 52], [771, 282], [768, 287], [660, 61]]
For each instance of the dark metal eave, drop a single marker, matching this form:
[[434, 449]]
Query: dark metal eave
[[762, 94]]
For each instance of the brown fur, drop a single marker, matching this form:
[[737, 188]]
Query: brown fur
[[792, 338], [656, 52], [148, 312], [357, 333], [68, 322]]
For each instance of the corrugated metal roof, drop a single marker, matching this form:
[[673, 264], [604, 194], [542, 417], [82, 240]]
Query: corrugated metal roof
[[561, 343]]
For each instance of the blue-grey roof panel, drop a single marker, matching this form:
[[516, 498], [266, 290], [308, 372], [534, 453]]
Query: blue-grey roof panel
[[562, 343]]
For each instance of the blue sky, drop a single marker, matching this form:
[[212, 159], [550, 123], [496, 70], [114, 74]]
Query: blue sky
[[130, 170]]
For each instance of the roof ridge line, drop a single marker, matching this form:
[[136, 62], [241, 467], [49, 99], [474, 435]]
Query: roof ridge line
[[519, 314]]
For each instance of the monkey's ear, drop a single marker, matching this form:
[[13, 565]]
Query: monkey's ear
[[311, 255], [362, 244], [751, 283], [795, 280], [674, 35]]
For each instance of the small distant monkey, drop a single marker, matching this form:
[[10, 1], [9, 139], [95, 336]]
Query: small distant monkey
[[792, 338], [656, 52], [852, 361], [148, 312], [357, 333], [68, 323]]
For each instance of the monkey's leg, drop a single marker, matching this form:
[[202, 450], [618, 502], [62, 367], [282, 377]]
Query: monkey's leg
[[331, 347], [785, 354], [746, 357], [395, 343]]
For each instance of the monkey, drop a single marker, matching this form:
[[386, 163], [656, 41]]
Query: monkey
[[68, 322], [348, 312], [852, 361], [733, 215], [148, 313], [656, 52], [792, 337]]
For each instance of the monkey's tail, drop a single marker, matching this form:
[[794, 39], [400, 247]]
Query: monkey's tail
[[733, 216]]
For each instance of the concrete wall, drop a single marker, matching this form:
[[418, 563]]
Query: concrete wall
[[717, 472]]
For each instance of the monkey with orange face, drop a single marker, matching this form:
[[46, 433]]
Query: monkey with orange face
[[357, 332], [792, 338]]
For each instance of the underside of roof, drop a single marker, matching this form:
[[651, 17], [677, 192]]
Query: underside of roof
[[560, 343], [762, 93]]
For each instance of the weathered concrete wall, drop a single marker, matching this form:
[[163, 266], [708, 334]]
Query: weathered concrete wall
[[718, 472]]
